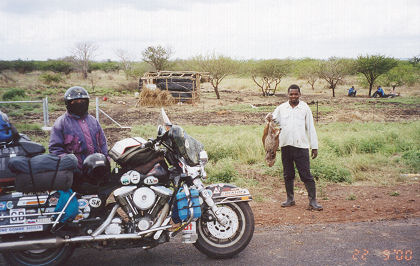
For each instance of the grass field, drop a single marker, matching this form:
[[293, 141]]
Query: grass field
[[375, 152], [364, 151]]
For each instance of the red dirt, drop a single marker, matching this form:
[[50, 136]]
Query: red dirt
[[371, 203]]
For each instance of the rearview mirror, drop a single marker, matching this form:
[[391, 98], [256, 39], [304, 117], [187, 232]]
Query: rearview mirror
[[160, 130]]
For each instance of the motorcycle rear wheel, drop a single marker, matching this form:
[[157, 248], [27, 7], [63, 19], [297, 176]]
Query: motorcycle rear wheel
[[51, 256], [220, 242]]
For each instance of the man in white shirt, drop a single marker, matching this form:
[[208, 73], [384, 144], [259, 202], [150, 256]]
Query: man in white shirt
[[296, 137]]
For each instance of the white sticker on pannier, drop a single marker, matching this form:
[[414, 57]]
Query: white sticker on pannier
[[20, 229], [95, 202], [83, 203], [151, 180], [18, 216]]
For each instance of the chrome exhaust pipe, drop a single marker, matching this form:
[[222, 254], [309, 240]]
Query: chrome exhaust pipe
[[42, 243], [57, 241]]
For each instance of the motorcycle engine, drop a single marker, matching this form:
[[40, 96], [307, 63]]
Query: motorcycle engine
[[114, 228], [143, 204]]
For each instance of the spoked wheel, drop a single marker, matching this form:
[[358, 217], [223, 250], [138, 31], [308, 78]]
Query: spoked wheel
[[224, 241], [51, 256]]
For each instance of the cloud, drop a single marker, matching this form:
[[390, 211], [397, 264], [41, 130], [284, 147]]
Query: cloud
[[41, 7], [241, 28]]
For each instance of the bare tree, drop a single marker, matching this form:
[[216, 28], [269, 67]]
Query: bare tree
[[83, 53], [217, 66], [334, 70], [157, 56], [125, 61], [267, 74]]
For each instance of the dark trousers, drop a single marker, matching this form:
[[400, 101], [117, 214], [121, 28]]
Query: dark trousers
[[291, 156]]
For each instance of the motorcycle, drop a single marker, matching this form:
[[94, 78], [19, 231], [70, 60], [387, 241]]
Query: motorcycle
[[154, 193]]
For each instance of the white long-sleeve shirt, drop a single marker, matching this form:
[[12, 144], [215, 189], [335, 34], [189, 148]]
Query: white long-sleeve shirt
[[297, 126]]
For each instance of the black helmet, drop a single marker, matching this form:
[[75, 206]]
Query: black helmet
[[74, 93], [95, 168]]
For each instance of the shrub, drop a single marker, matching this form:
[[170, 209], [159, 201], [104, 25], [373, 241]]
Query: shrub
[[129, 86], [331, 172], [24, 66], [371, 145], [412, 159], [218, 152], [14, 94], [5, 65], [108, 66], [351, 197], [222, 171], [394, 193], [57, 66], [49, 78]]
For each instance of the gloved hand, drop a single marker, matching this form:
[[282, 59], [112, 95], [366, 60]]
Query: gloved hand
[[148, 144]]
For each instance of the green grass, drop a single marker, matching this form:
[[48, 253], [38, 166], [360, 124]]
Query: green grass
[[407, 102], [372, 151], [403, 100], [324, 109], [377, 152], [248, 108], [26, 127]]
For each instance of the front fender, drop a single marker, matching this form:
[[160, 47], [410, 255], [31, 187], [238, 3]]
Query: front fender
[[225, 193]]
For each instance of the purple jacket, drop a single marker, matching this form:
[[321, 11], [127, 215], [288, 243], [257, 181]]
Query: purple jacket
[[80, 136]]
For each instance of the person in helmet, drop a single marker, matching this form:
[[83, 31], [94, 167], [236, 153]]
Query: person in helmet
[[76, 131]]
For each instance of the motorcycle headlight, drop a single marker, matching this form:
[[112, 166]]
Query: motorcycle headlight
[[203, 157]]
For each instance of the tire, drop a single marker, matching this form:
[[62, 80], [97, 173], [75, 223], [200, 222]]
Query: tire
[[222, 242], [51, 256]]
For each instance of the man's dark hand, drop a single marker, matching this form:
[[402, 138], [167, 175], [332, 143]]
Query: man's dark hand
[[314, 153]]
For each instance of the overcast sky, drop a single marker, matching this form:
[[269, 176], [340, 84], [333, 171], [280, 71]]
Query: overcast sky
[[241, 29]]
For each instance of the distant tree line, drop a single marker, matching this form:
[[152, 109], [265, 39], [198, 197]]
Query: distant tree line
[[57, 66], [266, 74]]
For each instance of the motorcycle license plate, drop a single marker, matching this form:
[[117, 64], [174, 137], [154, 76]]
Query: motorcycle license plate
[[191, 228]]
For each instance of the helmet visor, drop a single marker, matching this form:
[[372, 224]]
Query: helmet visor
[[78, 107]]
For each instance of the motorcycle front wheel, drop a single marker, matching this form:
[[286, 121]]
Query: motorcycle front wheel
[[218, 241], [51, 256]]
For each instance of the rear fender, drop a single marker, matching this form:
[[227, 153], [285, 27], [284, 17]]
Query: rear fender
[[226, 193]]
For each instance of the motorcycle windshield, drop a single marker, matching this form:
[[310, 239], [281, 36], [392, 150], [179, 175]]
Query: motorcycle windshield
[[185, 145]]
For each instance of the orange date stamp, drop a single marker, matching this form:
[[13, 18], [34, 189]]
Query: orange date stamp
[[388, 255]]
